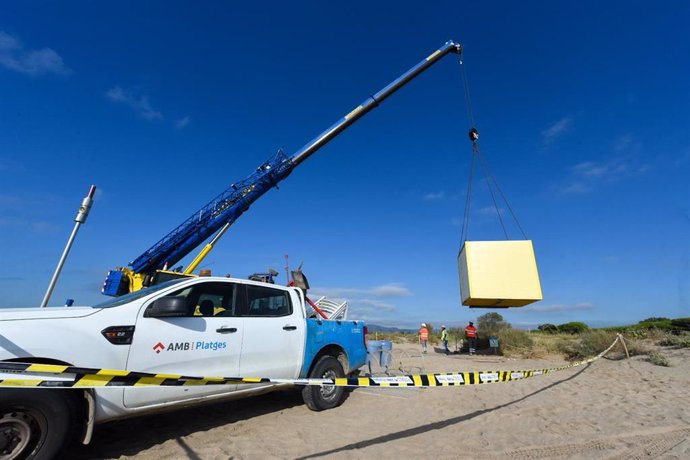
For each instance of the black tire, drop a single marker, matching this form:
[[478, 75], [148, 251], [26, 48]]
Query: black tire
[[34, 423], [318, 398]]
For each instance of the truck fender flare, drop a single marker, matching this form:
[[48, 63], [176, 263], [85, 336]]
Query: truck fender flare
[[86, 411], [334, 350]]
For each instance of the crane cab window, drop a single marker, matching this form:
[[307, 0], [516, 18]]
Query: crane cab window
[[265, 301], [210, 299]]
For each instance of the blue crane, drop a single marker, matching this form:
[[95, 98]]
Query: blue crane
[[223, 210]]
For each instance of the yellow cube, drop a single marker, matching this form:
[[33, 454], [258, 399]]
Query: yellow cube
[[498, 274]]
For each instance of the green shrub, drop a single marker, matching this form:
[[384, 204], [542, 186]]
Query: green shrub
[[654, 324], [676, 341], [591, 343], [681, 323], [617, 329], [455, 337], [635, 347], [653, 319], [574, 327], [515, 342], [661, 324], [658, 359], [397, 337], [490, 324], [547, 343], [550, 328]]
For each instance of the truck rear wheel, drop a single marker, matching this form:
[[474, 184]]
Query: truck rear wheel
[[34, 424], [318, 398]]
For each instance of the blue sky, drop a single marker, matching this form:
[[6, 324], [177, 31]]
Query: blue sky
[[582, 108]]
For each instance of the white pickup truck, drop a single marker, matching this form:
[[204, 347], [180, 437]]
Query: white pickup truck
[[204, 326]]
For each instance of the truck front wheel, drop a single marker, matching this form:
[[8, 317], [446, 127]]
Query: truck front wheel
[[34, 423], [318, 398]]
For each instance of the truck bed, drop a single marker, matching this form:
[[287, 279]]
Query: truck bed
[[348, 335]]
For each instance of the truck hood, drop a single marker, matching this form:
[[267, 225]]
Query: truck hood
[[12, 314]]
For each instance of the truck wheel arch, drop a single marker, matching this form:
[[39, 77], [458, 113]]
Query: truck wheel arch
[[331, 350], [81, 401]]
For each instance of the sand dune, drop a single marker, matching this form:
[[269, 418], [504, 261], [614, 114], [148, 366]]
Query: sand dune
[[610, 409]]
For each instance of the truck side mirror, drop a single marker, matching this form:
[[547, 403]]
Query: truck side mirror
[[168, 307]]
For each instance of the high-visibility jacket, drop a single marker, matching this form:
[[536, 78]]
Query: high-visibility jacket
[[444, 335], [471, 332], [424, 334]]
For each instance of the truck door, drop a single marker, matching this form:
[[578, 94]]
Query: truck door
[[274, 333], [205, 343]]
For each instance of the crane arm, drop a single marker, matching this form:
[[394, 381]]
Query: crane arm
[[229, 205]]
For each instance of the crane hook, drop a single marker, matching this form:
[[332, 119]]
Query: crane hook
[[473, 134]]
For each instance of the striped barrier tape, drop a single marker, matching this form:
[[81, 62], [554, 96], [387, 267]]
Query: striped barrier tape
[[56, 376]]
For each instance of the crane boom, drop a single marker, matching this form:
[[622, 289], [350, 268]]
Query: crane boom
[[229, 205]]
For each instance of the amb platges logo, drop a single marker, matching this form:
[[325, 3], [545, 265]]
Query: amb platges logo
[[189, 346]]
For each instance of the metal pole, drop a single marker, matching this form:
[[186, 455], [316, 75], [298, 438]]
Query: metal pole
[[287, 270], [82, 214]]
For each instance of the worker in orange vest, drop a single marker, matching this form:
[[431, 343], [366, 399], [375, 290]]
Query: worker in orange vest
[[423, 336], [471, 335]]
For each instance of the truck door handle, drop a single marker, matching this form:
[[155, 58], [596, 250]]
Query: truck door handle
[[289, 328], [226, 330]]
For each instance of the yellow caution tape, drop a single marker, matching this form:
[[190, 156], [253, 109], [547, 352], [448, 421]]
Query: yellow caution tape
[[81, 377]]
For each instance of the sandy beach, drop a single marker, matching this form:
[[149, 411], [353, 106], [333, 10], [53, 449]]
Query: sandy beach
[[613, 408]]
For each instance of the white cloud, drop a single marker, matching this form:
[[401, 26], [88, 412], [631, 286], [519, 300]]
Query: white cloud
[[370, 310], [553, 308], [490, 211], [366, 303], [433, 196], [391, 290], [372, 313], [556, 130], [610, 170], [384, 290], [11, 278], [575, 188], [14, 56], [25, 224], [585, 177], [182, 122], [372, 305], [139, 103], [43, 227], [590, 169]]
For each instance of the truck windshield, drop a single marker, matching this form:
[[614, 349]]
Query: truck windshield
[[137, 294]]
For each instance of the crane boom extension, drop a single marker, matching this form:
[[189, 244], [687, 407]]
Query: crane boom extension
[[225, 208]]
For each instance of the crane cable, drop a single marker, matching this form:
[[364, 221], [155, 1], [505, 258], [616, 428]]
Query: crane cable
[[477, 157]]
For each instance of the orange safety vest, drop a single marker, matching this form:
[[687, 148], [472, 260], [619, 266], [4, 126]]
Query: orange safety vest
[[471, 332], [424, 333]]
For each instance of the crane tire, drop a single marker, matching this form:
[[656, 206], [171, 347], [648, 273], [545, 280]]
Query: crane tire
[[318, 398], [34, 423]]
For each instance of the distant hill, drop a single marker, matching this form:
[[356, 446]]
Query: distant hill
[[388, 329]]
